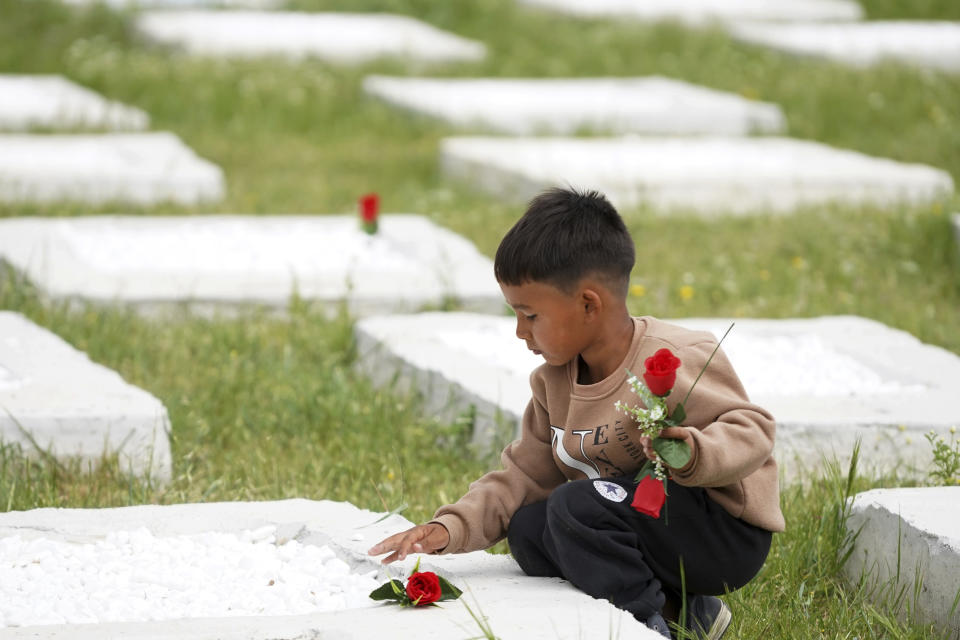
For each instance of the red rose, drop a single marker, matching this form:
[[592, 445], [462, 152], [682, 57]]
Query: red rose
[[369, 207], [661, 372], [423, 588], [649, 496]]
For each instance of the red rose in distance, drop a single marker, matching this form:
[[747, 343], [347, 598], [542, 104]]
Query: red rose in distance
[[423, 588], [369, 207], [661, 372], [649, 497]]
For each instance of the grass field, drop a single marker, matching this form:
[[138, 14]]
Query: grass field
[[265, 407]]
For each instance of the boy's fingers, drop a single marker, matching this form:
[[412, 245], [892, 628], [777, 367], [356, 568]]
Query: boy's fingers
[[674, 433]]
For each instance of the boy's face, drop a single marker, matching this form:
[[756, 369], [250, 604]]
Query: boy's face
[[551, 322]]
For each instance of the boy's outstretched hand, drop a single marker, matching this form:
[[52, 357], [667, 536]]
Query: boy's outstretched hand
[[424, 538]]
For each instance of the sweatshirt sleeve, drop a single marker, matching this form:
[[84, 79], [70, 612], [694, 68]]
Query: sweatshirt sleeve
[[480, 518], [733, 437]]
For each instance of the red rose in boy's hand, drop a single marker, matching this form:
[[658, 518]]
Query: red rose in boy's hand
[[661, 372], [649, 497], [423, 587]]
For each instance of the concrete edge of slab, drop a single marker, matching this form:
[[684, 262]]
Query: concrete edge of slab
[[516, 606], [131, 423], [903, 566]]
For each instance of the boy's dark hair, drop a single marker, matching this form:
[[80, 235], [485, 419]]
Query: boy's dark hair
[[563, 236]]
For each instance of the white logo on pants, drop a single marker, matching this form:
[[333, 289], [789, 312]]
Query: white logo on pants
[[610, 490]]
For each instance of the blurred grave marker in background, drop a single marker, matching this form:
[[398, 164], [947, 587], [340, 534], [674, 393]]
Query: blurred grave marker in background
[[932, 45], [224, 261], [710, 175], [700, 12], [54, 400], [526, 106], [141, 168], [349, 38], [53, 102]]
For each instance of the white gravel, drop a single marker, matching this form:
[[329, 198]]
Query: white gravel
[[136, 576]]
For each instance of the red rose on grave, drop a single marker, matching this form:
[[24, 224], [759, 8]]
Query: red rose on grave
[[423, 588], [649, 497], [369, 207], [661, 372]]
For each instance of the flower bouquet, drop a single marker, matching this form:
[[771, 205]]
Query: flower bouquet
[[659, 377]]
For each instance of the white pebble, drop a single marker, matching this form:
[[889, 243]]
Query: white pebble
[[136, 576]]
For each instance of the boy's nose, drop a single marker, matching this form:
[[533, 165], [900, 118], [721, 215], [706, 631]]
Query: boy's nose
[[522, 331]]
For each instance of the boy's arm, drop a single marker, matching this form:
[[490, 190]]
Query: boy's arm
[[731, 437], [481, 517]]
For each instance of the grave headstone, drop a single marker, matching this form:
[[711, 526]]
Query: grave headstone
[[54, 400], [224, 261], [181, 4], [709, 175], [907, 548], [516, 607], [140, 168], [828, 381], [53, 102], [699, 12], [525, 106], [933, 45], [336, 37]]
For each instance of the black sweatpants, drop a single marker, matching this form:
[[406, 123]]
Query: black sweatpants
[[584, 534]]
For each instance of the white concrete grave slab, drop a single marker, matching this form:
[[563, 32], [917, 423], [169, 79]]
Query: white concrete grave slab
[[827, 381], [52, 397], [907, 534], [335, 37], [140, 168], [53, 102], [527, 106], [516, 606], [709, 175], [700, 12], [152, 262], [181, 4], [934, 45]]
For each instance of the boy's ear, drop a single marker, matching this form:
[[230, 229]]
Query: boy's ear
[[591, 300]]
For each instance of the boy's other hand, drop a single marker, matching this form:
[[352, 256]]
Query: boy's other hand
[[674, 433], [424, 538]]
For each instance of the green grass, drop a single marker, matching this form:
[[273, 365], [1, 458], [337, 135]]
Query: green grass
[[267, 407]]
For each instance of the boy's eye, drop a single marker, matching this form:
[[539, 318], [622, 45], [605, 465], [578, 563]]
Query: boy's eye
[[530, 316]]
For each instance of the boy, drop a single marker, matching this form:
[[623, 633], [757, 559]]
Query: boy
[[562, 497]]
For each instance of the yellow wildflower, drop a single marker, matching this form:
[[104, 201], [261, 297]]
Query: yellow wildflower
[[798, 262], [686, 292], [638, 290]]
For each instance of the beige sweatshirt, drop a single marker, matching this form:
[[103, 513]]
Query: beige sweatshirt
[[572, 431]]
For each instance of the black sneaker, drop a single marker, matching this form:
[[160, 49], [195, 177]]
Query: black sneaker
[[658, 624], [707, 617]]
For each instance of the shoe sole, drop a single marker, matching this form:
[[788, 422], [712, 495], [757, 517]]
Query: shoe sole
[[720, 623]]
